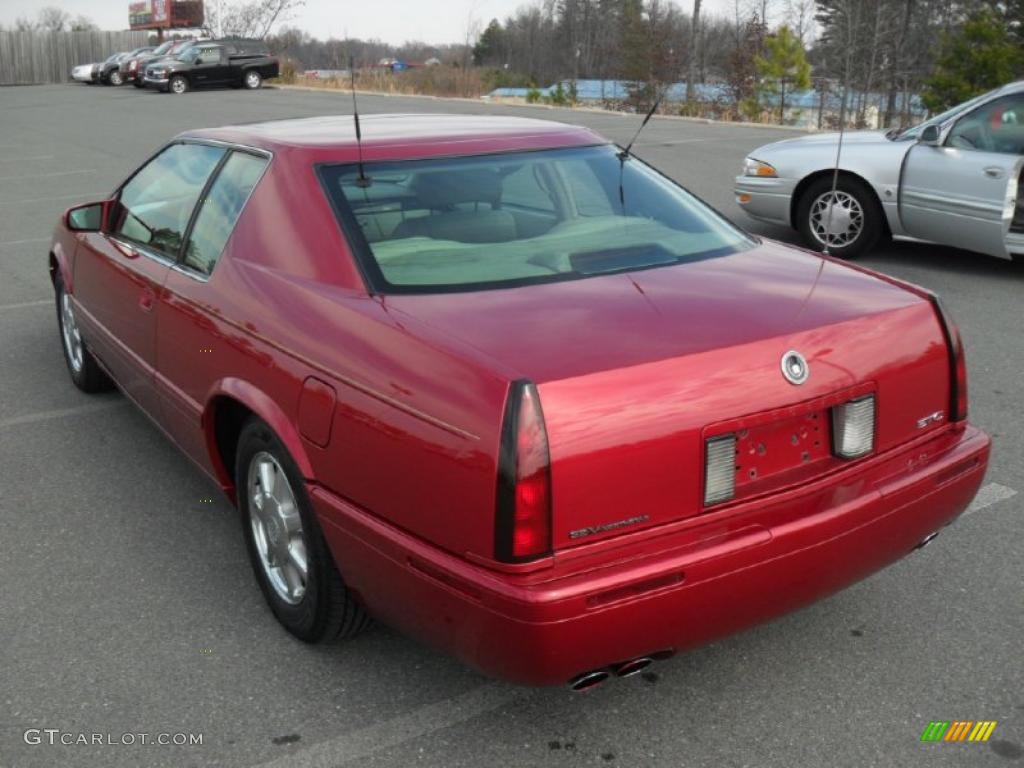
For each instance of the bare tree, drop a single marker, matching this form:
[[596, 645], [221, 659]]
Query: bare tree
[[799, 17], [52, 19], [253, 19], [82, 23], [692, 58]]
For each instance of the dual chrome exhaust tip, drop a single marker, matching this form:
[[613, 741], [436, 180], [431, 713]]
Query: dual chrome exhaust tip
[[590, 680]]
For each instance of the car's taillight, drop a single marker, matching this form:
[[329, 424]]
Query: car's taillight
[[719, 469], [853, 428], [523, 529], [957, 363]]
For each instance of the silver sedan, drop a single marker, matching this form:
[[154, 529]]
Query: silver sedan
[[957, 179]]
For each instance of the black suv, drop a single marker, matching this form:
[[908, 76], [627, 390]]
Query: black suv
[[238, 63]]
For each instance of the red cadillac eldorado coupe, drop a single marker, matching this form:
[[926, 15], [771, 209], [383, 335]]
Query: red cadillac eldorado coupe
[[505, 387]]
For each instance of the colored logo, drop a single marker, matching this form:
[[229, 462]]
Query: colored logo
[[958, 730]]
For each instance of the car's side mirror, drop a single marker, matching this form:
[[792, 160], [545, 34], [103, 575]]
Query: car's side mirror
[[930, 136], [198, 62], [87, 218]]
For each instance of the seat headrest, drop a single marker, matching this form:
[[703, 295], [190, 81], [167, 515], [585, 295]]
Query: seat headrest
[[442, 189]]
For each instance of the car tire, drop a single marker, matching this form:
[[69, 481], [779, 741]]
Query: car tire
[[252, 79], [281, 532], [85, 372], [858, 221], [178, 84], [115, 78]]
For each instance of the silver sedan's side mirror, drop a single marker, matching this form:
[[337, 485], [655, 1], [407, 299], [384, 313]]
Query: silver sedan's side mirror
[[930, 136]]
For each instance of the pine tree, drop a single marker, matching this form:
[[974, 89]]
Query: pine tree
[[981, 55], [783, 64]]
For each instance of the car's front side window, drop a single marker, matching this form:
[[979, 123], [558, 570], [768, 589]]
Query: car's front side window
[[154, 207], [219, 211], [997, 126]]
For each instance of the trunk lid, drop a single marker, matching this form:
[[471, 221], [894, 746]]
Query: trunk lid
[[636, 370]]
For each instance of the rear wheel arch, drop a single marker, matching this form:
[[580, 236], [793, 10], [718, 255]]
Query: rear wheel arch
[[807, 181], [230, 404]]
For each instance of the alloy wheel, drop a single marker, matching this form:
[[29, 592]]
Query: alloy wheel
[[70, 333], [277, 528]]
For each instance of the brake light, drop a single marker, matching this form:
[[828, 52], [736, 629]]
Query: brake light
[[523, 529], [957, 363]]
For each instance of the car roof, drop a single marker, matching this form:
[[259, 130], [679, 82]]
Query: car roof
[[338, 131]]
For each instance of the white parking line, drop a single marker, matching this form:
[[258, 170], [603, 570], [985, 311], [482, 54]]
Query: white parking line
[[359, 744], [23, 304], [25, 159], [990, 494], [670, 142], [21, 242], [33, 418], [80, 195], [46, 175]]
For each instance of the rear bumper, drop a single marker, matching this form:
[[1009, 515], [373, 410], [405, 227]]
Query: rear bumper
[[660, 590]]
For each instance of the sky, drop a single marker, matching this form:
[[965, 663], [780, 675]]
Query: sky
[[393, 21]]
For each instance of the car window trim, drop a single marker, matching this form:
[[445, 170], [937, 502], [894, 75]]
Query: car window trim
[[180, 261]]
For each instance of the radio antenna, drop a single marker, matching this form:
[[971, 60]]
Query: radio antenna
[[362, 180], [835, 173], [654, 108], [851, 25], [624, 154]]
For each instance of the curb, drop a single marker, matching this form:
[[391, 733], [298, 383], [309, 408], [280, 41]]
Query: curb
[[550, 107]]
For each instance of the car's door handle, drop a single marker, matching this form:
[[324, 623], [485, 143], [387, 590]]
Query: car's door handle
[[146, 300], [125, 250], [995, 172]]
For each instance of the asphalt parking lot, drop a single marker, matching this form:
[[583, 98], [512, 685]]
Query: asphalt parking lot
[[128, 606]]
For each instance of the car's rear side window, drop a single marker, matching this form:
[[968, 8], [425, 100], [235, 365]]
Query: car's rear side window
[[489, 221], [155, 206], [220, 209]]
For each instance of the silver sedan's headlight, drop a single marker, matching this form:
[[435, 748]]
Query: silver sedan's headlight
[[752, 167]]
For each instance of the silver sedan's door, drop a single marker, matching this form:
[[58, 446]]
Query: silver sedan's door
[[959, 197], [964, 192]]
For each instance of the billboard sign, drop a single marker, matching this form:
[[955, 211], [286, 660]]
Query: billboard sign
[[165, 14]]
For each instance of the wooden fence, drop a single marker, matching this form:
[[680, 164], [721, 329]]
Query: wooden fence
[[31, 58]]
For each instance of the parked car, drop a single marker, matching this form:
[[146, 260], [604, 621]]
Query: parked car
[[234, 62], [85, 73], [110, 70], [952, 180], [509, 389], [133, 68]]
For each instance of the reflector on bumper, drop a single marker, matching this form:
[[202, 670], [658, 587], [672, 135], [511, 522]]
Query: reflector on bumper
[[719, 469], [853, 428]]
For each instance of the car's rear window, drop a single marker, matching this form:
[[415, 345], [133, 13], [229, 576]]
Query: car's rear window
[[486, 221]]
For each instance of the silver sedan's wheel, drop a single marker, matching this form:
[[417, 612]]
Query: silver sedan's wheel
[[70, 333], [836, 219], [277, 528], [115, 78]]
